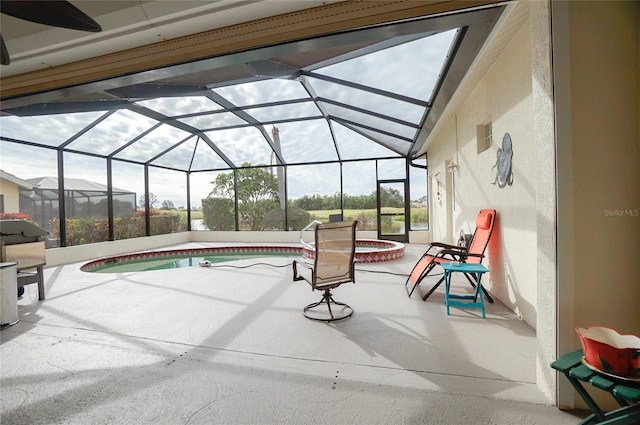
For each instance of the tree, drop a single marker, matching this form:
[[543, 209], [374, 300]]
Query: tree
[[390, 197], [257, 193], [153, 199], [309, 202], [167, 205]]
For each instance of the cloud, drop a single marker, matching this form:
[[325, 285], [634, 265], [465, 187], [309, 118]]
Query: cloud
[[410, 69], [153, 143], [264, 91], [112, 133], [173, 106], [51, 130]]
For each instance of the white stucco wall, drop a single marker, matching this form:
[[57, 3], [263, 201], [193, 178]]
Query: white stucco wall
[[11, 192], [504, 97], [78, 253], [546, 201]]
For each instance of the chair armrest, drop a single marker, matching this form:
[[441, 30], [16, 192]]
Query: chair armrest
[[446, 246], [452, 251], [448, 253], [295, 264], [462, 255], [435, 248]]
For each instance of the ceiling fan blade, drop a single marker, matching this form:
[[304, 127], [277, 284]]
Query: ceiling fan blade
[[5, 60], [57, 13]]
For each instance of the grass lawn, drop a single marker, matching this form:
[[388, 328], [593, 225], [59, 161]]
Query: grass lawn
[[195, 215], [323, 215]]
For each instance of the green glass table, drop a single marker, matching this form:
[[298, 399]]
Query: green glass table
[[625, 391]]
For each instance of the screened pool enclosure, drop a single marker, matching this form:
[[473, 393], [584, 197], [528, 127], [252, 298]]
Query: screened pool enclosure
[[265, 139]]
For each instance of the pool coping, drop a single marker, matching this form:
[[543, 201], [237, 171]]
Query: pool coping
[[387, 251]]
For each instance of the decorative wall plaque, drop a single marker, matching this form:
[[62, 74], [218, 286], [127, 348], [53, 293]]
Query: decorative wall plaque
[[504, 176]]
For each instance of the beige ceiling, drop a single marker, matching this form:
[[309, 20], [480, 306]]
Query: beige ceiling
[[125, 25], [14, 28]]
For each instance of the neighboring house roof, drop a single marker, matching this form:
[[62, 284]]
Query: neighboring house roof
[[15, 180], [76, 185]]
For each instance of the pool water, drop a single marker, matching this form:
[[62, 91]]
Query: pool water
[[172, 259], [173, 263]]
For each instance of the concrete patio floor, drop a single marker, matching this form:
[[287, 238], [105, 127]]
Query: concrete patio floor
[[229, 345]]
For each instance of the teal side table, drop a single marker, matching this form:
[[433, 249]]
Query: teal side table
[[475, 300]]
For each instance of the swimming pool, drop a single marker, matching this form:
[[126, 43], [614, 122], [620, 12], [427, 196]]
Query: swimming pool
[[176, 258], [367, 251]]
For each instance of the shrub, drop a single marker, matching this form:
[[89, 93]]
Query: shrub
[[16, 216], [366, 220], [166, 223], [218, 214], [127, 228], [298, 218], [83, 230]]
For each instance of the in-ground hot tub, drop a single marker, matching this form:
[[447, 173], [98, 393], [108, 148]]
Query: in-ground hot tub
[[368, 251]]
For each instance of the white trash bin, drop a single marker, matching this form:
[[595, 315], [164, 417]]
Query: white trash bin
[[8, 294]]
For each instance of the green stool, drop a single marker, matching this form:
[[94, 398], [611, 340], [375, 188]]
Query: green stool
[[626, 393]]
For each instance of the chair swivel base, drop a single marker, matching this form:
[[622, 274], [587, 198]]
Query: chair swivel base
[[327, 309]]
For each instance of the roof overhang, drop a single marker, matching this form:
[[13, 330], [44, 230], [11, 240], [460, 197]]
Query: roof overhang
[[15, 180]]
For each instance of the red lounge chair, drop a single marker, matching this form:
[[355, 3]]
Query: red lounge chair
[[438, 253]]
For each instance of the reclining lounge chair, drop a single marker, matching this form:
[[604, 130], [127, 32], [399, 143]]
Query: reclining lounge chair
[[438, 253]]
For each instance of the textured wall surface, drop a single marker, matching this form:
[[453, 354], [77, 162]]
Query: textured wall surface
[[516, 95], [545, 174], [504, 97]]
